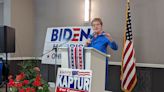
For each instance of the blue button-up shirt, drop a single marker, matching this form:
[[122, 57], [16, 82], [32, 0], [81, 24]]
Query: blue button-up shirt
[[101, 42]]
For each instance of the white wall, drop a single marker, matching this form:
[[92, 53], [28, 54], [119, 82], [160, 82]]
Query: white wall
[[56, 13], [1, 13], [7, 12], [20, 14], [23, 19], [1, 18], [148, 29]]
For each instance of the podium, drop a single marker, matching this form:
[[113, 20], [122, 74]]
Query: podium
[[95, 61]]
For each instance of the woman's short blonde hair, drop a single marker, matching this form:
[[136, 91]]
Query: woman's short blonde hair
[[97, 19]]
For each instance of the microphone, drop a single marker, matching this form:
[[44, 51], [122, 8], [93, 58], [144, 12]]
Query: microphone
[[103, 33], [92, 35]]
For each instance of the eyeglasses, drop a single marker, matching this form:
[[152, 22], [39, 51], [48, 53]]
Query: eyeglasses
[[98, 24]]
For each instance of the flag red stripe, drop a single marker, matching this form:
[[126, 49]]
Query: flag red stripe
[[127, 76], [130, 56], [127, 48], [131, 82]]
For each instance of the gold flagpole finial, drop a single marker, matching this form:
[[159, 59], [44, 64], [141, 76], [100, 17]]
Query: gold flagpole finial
[[128, 0]]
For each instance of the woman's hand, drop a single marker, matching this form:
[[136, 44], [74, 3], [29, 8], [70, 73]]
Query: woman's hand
[[88, 41], [108, 36]]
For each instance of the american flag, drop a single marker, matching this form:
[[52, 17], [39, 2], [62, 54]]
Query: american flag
[[128, 68]]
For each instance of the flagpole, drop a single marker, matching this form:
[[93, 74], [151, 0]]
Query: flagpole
[[124, 37]]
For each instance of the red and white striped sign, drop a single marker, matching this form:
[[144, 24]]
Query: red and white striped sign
[[76, 57]]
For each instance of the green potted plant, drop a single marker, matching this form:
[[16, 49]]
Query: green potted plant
[[29, 79]]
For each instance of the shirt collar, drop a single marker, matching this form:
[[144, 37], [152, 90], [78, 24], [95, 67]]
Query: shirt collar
[[103, 33]]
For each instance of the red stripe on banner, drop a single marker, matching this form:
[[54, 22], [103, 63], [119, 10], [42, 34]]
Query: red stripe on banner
[[127, 76], [127, 62], [76, 29], [84, 73], [60, 89], [131, 82], [127, 48], [75, 57], [74, 37], [80, 58]]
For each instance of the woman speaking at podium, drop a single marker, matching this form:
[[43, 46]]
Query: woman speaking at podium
[[100, 40]]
